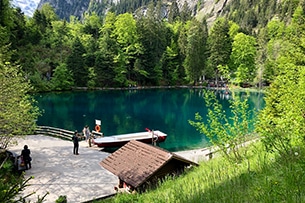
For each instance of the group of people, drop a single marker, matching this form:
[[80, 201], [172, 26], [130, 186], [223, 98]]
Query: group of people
[[25, 157], [76, 137]]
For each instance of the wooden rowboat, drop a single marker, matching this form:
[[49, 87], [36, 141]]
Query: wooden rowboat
[[120, 140]]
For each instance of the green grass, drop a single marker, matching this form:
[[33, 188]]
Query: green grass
[[262, 177]]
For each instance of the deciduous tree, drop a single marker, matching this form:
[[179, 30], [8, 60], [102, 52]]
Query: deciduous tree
[[18, 110], [129, 48], [243, 58], [282, 121], [62, 78], [226, 133]]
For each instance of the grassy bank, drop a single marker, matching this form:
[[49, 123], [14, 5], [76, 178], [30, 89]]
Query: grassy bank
[[262, 177]]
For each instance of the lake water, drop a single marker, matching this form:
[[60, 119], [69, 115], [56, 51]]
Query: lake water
[[129, 111]]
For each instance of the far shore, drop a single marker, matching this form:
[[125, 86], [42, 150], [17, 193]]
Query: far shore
[[220, 87], [148, 87]]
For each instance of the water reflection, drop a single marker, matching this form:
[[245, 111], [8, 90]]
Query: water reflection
[[126, 111]]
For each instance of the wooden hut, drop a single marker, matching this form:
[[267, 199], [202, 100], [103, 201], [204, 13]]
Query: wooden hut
[[139, 165]]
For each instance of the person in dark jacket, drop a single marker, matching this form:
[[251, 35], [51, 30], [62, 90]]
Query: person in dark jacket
[[25, 153], [75, 142]]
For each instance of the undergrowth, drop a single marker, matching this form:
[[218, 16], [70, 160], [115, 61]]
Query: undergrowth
[[261, 177]]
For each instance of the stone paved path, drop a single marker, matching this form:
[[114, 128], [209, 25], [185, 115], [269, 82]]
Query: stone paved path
[[57, 171]]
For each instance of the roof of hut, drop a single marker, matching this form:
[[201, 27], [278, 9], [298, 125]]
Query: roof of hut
[[136, 162]]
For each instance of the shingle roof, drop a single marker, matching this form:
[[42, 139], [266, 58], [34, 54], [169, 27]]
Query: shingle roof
[[136, 162]]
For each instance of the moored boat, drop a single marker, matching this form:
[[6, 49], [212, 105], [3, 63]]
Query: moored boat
[[120, 140]]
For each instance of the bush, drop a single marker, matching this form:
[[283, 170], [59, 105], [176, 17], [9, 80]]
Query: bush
[[62, 199]]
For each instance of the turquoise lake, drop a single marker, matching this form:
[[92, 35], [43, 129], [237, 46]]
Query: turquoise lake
[[128, 111]]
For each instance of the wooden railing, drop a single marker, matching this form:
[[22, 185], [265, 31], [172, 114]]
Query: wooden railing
[[54, 132], [61, 133]]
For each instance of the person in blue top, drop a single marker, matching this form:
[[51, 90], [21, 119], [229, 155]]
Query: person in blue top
[[75, 143]]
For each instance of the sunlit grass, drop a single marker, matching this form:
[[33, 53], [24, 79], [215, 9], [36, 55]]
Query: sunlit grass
[[263, 177]]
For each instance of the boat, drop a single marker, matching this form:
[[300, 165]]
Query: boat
[[153, 136]]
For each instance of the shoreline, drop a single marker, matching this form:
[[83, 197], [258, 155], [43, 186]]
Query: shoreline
[[59, 172], [149, 87], [220, 88]]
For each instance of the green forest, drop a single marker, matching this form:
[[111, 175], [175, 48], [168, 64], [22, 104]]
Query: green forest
[[242, 46], [251, 43]]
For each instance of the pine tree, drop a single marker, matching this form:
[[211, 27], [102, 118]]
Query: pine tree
[[173, 13], [76, 64], [220, 44], [196, 50]]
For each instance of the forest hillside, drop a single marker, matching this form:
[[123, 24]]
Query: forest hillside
[[250, 43], [232, 41]]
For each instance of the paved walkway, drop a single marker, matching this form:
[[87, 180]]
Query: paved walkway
[[80, 177], [57, 171]]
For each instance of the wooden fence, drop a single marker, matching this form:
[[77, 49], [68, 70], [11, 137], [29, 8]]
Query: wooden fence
[[54, 132], [60, 133]]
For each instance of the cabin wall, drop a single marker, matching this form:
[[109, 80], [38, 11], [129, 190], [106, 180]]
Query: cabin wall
[[172, 168]]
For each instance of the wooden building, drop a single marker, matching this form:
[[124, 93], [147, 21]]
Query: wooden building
[[139, 165]]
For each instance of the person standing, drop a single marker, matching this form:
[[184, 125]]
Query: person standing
[[75, 143], [25, 153], [86, 132]]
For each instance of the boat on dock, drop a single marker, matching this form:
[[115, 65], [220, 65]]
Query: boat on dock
[[154, 136]]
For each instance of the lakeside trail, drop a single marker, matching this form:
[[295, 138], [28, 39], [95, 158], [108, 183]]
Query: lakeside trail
[[80, 177], [57, 171]]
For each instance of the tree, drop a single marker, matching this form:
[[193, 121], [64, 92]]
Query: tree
[[6, 13], [281, 122], [76, 64], [40, 21], [48, 11], [18, 30], [129, 48], [92, 25], [172, 70], [62, 78], [59, 38], [220, 43], [185, 13], [243, 58], [226, 133], [173, 13], [170, 73], [274, 31], [261, 58], [153, 35], [196, 50], [104, 60], [18, 113], [4, 42]]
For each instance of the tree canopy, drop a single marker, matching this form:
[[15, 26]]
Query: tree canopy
[[265, 43], [18, 113], [122, 49]]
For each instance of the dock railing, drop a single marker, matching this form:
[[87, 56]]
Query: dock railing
[[54, 132], [62, 133]]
